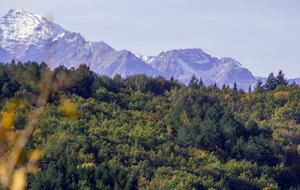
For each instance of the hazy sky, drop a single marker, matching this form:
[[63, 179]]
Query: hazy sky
[[263, 35]]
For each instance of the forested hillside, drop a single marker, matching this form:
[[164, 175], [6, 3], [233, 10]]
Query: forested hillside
[[141, 132]]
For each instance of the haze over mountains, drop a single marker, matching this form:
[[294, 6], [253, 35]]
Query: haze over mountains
[[26, 36]]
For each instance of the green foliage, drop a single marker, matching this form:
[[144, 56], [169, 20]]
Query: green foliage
[[142, 132], [235, 87], [280, 79], [195, 82], [258, 86], [270, 83]]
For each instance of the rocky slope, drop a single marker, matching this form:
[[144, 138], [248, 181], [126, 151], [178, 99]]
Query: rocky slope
[[183, 63], [26, 36]]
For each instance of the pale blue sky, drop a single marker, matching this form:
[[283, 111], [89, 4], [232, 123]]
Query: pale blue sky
[[263, 35]]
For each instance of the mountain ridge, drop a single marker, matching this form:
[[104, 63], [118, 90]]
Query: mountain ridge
[[183, 63], [26, 36]]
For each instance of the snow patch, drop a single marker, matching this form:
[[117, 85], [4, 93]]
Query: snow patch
[[21, 29], [146, 59], [58, 36]]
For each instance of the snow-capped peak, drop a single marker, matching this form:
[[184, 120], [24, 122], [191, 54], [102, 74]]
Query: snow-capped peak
[[146, 59], [19, 29], [16, 10], [231, 61]]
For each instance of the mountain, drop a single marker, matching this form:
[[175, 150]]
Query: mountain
[[183, 63], [26, 36], [295, 80], [20, 31], [5, 56]]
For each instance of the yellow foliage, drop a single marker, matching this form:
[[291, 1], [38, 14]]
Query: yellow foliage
[[282, 95], [152, 184], [35, 155], [142, 181], [184, 119], [86, 165], [18, 180], [283, 114], [276, 134], [7, 119], [227, 96], [37, 135], [14, 152], [70, 109]]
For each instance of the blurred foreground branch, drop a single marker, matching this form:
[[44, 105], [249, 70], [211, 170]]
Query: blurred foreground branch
[[9, 159]]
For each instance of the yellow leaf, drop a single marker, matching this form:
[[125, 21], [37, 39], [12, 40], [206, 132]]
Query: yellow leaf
[[36, 155], [70, 109], [8, 119], [282, 95], [19, 180]]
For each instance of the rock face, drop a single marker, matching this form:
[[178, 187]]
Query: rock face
[[183, 63], [5, 56], [20, 31], [26, 36]]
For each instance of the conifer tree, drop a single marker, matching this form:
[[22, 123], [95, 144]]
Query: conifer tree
[[234, 86], [270, 83], [172, 78], [224, 86], [258, 87], [280, 79], [201, 82], [249, 89], [194, 82]]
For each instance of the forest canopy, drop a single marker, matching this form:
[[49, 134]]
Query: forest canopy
[[143, 132]]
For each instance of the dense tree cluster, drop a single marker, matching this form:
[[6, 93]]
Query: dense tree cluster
[[272, 82], [141, 132]]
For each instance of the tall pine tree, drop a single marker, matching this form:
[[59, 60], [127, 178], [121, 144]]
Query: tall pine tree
[[193, 82], [280, 79], [258, 87], [235, 86], [224, 86], [270, 83], [172, 78], [201, 82]]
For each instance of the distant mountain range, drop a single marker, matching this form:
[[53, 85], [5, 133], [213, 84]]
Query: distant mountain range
[[27, 36]]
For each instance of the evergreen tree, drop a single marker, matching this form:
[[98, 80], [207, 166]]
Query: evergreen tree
[[235, 87], [201, 82], [193, 82], [270, 83], [172, 78], [280, 79], [258, 87], [249, 89], [224, 86]]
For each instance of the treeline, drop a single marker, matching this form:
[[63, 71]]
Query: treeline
[[141, 132], [272, 82], [83, 82]]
